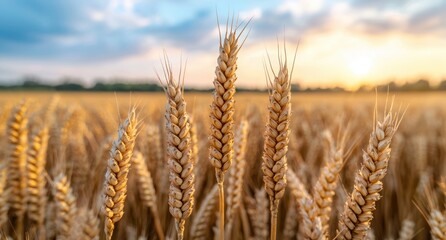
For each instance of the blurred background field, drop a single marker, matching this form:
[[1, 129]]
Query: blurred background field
[[202, 100]]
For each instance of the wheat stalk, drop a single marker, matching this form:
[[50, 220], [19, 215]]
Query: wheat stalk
[[222, 111], [65, 207], [274, 165], [36, 190], [181, 166], [358, 210], [147, 190], [115, 186], [203, 220], [236, 174]]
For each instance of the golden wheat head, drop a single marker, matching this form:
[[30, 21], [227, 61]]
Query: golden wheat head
[[115, 186]]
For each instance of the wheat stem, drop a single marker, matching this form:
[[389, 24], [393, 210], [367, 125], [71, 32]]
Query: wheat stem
[[221, 198]]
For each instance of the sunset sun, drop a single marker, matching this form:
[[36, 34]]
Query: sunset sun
[[360, 67]]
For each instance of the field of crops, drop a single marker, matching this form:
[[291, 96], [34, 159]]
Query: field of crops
[[56, 147], [224, 165]]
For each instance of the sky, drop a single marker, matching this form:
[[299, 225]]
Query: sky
[[345, 43]]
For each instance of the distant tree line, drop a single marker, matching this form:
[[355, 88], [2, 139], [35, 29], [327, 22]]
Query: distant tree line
[[122, 85]]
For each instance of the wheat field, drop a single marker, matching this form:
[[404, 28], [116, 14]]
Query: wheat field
[[223, 165], [62, 144]]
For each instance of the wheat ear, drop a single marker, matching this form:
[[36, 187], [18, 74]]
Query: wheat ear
[[325, 187], [407, 231], [65, 207], [194, 140], [236, 174], [274, 165], [296, 186], [115, 186], [155, 152], [147, 190], [437, 223], [204, 218], [181, 167], [89, 225], [16, 180], [358, 210], [36, 190], [257, 214], [311, 226], [222, 111]]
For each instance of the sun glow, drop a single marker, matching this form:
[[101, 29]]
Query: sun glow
[[360, 67]]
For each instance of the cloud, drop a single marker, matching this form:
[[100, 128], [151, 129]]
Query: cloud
[[70, 30], [192, 34], [429, 20], [54, 36], [93, 30]]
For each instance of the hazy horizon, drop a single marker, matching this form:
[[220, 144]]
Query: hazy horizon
[[347, 43]]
